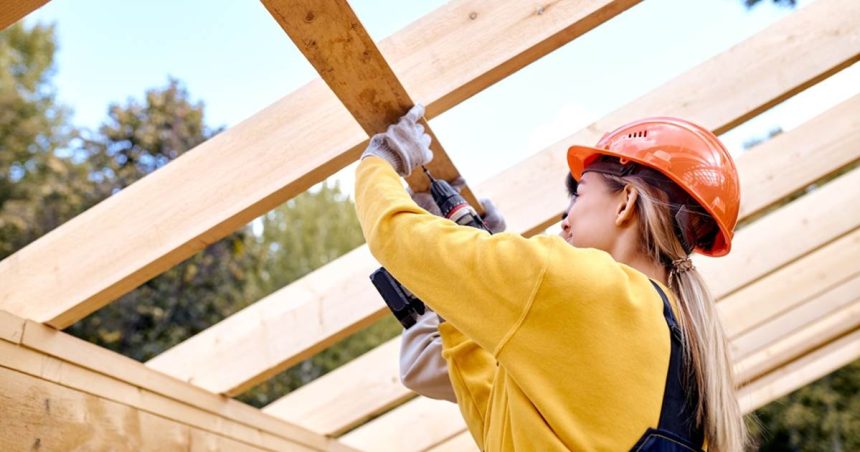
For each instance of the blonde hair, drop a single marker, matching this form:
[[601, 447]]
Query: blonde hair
[[706, 349]]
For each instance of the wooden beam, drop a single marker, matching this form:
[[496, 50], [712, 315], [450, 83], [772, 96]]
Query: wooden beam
[[49, 416], [339, 295], [800, 372], [253, 167], [12, 11], [792, 160], [791, 286], [11, 327], [40, 366], [462, 442], [406, 428], [63, 359], [332, 38], [347, 396], [793, 334], [784, 235]]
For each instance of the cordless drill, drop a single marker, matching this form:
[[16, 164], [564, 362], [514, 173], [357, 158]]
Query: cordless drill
[[402, 303]]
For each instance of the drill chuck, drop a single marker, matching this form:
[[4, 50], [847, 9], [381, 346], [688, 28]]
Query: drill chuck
[[453, 206]]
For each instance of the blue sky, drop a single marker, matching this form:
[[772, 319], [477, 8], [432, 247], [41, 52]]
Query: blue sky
[[234, 57]]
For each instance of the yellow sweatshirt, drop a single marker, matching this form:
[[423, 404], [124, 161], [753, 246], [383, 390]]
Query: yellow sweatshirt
[[550, 347]]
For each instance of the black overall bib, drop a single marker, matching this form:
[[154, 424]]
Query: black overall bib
[[677, 430]]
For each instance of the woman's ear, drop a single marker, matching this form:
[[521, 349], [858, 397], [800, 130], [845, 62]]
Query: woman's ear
[[627, 206]]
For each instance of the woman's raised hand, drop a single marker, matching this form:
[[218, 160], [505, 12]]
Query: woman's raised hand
[[404, 144]]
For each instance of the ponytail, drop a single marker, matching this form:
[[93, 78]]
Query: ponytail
[[707, 355]]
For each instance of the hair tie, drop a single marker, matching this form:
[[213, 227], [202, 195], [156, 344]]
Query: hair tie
[[683, 265]]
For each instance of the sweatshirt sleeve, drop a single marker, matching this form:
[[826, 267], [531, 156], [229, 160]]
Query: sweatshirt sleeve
[[482, 284], [423, 369]]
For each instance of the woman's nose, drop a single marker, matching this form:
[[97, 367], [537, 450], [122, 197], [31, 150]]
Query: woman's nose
[[565, 217]]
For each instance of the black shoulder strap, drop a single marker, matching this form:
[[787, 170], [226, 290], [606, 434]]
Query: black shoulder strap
[[678, 412]]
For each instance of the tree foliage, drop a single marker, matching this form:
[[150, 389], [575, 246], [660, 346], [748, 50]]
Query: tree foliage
[[821, 416], [38, 188]]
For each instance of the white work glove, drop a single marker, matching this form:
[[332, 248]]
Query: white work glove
[[492, 218], [404, 145], [423, 369]]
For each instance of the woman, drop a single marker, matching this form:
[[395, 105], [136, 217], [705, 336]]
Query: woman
[[604, 338]]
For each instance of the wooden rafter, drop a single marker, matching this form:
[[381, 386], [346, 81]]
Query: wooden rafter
[[12, 11], [396, 430], [791, 286], [332, 38], [834, 312], [347, 396], [801, 372], [339, 294], [784, 235], [251, 168]]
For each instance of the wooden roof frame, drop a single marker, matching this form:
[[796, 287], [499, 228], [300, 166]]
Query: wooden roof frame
[[779, 348]]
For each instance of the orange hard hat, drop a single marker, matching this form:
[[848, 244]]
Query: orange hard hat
[[688, 154]]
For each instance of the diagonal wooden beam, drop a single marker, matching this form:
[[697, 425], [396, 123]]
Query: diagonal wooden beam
[[461, 442], [278, 153], [791, 232], [790, 287], [802, 155], [834, 312], [336, 293], [332, 38], [347, 396], [12, 11], [800, 372], [406, 428]]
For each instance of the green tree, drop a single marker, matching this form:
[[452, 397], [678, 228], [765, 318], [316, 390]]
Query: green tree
[[824, 415], [137, 138], [39, 189], [141, 136], [304, 234]]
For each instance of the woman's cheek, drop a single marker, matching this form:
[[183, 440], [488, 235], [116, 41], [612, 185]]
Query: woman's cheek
[[578, 234]]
